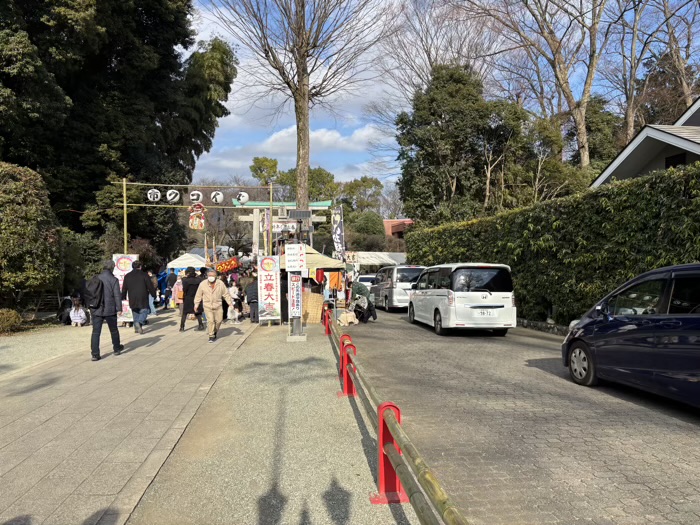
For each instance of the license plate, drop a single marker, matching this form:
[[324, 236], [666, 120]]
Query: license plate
[[485, 313]]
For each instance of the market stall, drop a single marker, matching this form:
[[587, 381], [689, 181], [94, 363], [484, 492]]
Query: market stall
[[313, 297], [188, 259]]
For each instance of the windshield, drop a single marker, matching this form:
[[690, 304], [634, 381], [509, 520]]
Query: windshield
[[407, 275], [482, 279]]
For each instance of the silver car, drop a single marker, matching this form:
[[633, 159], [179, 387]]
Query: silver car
[[392, 285]]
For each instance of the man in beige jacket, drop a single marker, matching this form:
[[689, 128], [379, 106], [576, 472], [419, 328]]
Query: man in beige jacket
[[211, 293]]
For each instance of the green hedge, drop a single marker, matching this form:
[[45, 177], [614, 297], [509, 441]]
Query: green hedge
[[569, 252]]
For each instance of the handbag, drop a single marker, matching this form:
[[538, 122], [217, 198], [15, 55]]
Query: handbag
[[180, 295]]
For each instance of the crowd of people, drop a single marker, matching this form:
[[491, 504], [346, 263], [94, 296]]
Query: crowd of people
[[202, 295]]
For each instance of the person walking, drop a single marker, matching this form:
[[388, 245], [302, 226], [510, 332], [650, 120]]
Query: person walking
[[169, 284], [224, 304], [151, 300], [137, 289], [211, 293], [251, 294], [189, 288], [106, 311], [178, 293]]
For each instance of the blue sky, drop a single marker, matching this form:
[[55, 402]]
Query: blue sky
[[339, 140]]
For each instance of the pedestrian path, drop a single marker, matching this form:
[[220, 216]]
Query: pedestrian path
[[80, 441], [272, 444]]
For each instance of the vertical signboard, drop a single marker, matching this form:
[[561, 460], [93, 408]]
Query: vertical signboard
[[338, 230], [295, 296], [122, 266], [269, 299]]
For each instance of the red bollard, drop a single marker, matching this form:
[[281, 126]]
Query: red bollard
[[388, 482], [327, 320], [348, 386]]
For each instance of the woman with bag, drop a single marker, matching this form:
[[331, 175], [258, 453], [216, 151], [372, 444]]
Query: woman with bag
[[178, 293]]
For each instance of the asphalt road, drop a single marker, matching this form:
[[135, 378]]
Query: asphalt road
[[515, 442]]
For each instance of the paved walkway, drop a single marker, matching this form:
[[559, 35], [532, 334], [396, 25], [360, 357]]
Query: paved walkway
[[80, 441], [272, 444]]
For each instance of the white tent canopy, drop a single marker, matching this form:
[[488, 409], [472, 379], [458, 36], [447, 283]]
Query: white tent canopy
[[380, 258], [316, 261], [188, 259]]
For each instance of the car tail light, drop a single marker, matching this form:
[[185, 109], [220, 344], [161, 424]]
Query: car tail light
[[450, 298], [514, 304]]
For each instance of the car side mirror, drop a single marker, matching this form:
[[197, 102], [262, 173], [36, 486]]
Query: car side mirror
[[414, 286], [603, 309]]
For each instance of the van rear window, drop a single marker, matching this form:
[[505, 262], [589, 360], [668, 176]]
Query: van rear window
[[407, 275], [481, 279]]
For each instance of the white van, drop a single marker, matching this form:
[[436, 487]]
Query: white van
[[464, 295], [392, 285]]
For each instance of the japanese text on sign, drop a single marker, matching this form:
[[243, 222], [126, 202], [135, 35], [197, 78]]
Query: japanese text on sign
[[269, 289], [295, 296], [296, 257]]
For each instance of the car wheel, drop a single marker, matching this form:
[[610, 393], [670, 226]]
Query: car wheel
[[581, 366], [500, 332], [411, 314], [439, 330]]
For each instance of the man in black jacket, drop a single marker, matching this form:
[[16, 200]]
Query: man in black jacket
[[136, 289], [107, 312], [251, 295]]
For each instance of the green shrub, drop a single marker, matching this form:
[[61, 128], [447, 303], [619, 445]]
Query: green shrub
[[570, 252], [10, 320]]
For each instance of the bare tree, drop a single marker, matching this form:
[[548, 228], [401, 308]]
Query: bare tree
[[424, 34], [569, 35], [637, 36], [679, 35], [391, 205], [307, 50]]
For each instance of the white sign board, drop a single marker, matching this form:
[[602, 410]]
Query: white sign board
[[296, 257], [269, 305], [295, 296], [122, 266]]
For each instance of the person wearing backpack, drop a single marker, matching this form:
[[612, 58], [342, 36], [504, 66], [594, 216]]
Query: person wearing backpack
[[104, 300], [137, 289]]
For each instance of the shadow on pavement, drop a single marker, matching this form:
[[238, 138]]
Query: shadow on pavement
[[101, 516], [19, 520], [45, 382], [337, 501], [144, 342], [271, 504], [647, 400]]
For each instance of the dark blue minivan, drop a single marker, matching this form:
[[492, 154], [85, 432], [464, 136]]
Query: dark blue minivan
[[645, 334]]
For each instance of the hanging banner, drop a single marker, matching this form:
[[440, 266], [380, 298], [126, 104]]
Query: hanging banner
[[197, 216], [269, 299], [295, 296], [338, 229], [122, 266], [295, 257]]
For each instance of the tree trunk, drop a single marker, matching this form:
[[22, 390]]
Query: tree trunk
[[630, 112], [488, 187], [301, 107], [579, 116]]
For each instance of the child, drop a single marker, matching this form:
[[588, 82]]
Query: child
[[234, 291], [77, 313]]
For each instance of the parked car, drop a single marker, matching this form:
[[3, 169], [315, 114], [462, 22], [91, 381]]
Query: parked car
[[645, 334], [464, 295], [392, 285], [366, 279]]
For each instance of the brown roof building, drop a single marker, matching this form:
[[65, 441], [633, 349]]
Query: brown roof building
[[396, 227]]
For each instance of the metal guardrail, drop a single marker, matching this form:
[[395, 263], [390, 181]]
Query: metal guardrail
[[403, 474]]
